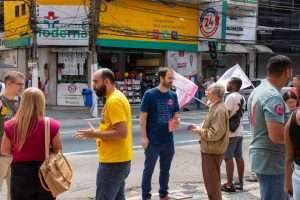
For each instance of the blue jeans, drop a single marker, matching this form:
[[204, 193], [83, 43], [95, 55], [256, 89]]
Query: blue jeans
[[272, 187], [111, 180], [165, 152]]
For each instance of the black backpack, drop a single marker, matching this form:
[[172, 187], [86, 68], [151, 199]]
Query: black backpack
[[235, 120]]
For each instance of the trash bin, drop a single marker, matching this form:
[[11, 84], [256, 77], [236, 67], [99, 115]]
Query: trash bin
[[87, 94]]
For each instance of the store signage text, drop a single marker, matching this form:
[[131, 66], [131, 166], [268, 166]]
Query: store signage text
[[235, 28], [56, 26], [209, 22], [63, 34], [70, 94], [55, 29]]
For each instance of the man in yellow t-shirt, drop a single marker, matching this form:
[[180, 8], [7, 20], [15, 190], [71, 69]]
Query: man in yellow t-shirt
[[114, 138]]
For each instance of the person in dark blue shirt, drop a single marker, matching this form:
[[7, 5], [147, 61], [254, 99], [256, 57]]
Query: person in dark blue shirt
[[159, 119]]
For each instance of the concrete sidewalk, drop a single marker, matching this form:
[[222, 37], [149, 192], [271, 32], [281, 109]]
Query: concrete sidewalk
[[185, 180]]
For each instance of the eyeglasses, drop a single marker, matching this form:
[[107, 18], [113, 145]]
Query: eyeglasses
[[20, 84]]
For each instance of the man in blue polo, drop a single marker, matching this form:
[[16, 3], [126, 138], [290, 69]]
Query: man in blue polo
[[268, 114]]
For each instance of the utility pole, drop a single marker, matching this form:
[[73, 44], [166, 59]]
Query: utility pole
[[33, 63], [95, 9]]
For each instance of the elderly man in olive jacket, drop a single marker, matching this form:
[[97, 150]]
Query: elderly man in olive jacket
[[214, 137]]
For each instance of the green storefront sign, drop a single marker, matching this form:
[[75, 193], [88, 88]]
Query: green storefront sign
[[245, 1], [63, 34]]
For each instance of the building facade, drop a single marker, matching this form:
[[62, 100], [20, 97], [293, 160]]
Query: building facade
[[231, 25], [278, 28], [134, 39]]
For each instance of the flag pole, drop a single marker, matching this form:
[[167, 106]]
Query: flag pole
[[200, 101]]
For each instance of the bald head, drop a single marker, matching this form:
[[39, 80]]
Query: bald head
[[105, 74], [103, 82]]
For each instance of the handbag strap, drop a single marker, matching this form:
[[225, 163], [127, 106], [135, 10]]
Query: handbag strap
[[47, 137]]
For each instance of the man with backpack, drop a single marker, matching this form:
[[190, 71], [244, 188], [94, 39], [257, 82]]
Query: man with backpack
[[234, 103]]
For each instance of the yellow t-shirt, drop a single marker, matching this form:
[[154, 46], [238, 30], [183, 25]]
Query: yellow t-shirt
[[116, 110]]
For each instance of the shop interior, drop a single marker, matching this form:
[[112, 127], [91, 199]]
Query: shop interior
[[135, 71]]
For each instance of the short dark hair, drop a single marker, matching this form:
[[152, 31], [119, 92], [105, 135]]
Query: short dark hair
[[278, 64], [12, 76], [289, 95], [237, 82], [162, 71], [108, 74]]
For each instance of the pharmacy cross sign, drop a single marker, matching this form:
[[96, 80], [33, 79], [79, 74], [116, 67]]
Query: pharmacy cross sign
[[51, 19]]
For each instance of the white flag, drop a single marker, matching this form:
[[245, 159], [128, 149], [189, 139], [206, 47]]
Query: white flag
[[235, 71], [185, 89]]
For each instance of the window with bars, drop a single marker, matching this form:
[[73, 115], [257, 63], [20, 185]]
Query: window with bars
[[17, 11], [23, 9]]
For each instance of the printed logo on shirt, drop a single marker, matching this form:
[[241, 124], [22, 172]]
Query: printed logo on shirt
[[279, 109], [4, 110], [170, 102]]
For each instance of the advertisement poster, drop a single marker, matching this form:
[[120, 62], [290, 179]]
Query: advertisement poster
[[184, 63], [69, 94]]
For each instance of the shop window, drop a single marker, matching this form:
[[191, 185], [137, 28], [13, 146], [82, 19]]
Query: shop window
[[135, 71], [23, 11], [72, 77], [17, 11], [72, 67]]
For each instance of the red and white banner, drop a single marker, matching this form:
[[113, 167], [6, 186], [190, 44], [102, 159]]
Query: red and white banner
[[185, 89]]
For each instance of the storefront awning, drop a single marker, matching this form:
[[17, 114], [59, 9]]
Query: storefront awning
[[235, 48], [263, 49]]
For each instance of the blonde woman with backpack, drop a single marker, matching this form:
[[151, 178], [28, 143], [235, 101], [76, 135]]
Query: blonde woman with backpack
[[24, 137]]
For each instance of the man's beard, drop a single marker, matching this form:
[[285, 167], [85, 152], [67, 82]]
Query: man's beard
[[167, 85], [100, 92]]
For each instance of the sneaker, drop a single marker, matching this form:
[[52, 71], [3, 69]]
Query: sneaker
[[227, 188], [239, 186], [252, 178]]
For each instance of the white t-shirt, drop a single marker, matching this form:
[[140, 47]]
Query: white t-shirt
[[2, 87], [232, 103]]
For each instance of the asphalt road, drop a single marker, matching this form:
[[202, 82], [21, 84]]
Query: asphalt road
[[73, 146]]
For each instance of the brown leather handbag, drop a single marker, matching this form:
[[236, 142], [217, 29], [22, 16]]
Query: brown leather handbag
[[55, 173]]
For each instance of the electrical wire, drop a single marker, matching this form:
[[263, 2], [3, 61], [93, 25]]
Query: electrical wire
[[158, 12], [175, 16]]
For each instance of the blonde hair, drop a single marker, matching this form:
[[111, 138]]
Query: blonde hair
[[32, 108]]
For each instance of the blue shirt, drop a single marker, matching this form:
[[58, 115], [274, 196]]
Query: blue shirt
[[266, 104], [160, 108]]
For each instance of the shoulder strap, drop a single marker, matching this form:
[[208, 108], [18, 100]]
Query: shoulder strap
[[47, 137]]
